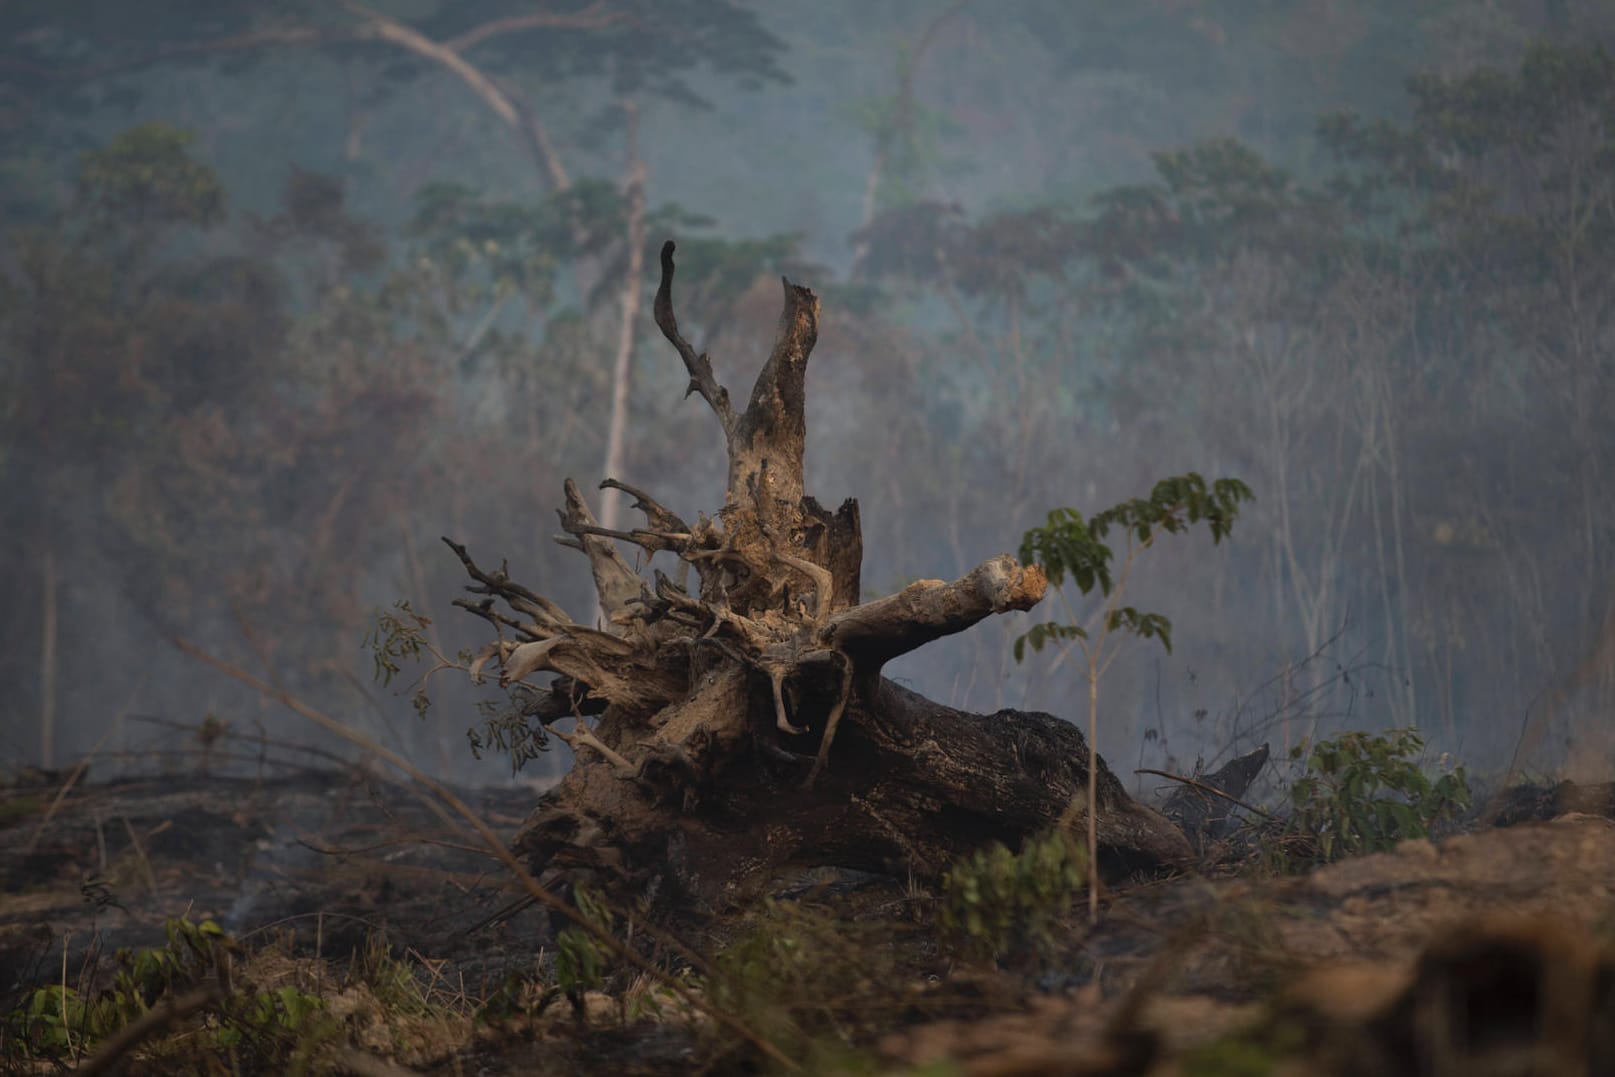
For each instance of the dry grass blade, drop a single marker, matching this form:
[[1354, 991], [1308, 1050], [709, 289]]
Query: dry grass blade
[[494, 844]]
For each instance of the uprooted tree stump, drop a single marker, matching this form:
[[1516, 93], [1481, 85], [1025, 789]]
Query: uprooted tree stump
[[741, 725]]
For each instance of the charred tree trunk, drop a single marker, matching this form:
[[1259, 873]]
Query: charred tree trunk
[[741, 726]]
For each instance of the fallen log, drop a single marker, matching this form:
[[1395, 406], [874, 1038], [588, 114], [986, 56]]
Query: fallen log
[[741, 726]]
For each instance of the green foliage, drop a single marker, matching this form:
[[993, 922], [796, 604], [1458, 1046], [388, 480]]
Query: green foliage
[[1070, 545], [911, 137], [282, 1026], [52, 1020], [505, 246], [505, 729], [1000, 905], [580, 963], [1363, 793], [147, 176], [395, 635], [1040, 635]]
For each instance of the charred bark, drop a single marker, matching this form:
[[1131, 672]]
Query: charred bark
[[1205, 817], [742, 724]]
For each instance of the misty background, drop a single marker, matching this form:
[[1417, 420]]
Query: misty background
[[290, 290]]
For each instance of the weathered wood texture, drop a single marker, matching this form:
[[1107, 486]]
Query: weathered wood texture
[[742, 724]]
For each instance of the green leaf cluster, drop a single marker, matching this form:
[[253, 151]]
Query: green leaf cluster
[[1363, 793], [282, 1026], [1070, 545], [580, 964], [998, 905], [147, 176], [394, 635]]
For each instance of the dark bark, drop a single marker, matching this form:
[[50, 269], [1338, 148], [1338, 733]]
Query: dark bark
[[1205, 817], [912, 785]]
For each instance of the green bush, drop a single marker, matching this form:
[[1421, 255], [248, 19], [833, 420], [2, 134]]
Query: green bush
[[1363, 793], [283, 1027], [998, 905]]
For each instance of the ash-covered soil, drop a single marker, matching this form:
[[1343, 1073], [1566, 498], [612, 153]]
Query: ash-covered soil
[[321, 857], [313, 864]]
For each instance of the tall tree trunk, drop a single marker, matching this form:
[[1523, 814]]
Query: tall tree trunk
[[632, 286], [901, 125]]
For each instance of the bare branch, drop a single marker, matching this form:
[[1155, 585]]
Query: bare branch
[[528, 658], [876, 632], [485, 610], [593, 17], [700, 367], [658, 516], [651, 541], [1204, 787], [582, 737], [541, 609], [616, 584], [384, 28], [766, 449]]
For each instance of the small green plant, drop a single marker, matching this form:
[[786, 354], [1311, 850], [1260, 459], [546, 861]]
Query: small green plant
[[998, 905], [1069, 545], [400, 634], [282, 1026], [54, 1020], [809, 983], [579, 963], [1363, 793]]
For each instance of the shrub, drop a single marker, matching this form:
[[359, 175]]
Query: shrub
[[999, 905], [1363, 793]]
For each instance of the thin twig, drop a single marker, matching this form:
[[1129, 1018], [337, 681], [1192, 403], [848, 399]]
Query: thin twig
[[1204, 788]]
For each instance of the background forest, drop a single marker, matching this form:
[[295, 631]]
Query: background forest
[[288, 290]]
